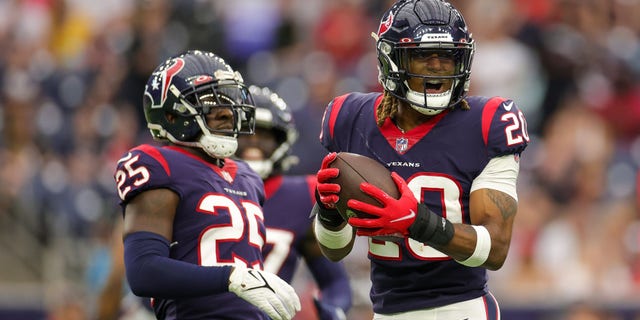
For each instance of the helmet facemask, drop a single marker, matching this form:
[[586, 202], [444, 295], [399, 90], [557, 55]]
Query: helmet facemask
[[398, 72], [196, 104]]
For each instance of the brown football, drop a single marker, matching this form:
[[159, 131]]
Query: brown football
[[355, 169]]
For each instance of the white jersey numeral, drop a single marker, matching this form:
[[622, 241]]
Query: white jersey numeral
[[450, 196]]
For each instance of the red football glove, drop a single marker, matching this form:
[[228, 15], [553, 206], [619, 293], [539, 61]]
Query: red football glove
[[328, 192], [393, 218]]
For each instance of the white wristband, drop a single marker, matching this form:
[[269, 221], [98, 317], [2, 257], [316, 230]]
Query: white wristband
[[483, 247], [333, 239]]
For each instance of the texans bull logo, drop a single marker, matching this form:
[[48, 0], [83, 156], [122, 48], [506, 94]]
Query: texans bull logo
[[385, 25]]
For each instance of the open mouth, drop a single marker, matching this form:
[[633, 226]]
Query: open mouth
[[433, 86]]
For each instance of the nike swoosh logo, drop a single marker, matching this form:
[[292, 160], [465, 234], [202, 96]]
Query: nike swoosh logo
[[508, 105], [409, 216], [262, 282]]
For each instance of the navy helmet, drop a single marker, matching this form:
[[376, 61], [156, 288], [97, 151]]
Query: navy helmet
[[184, 89], [424, 26], [273, 114]]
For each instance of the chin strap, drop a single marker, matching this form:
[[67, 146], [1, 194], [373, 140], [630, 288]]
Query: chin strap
[[218, 146], [438, 101]]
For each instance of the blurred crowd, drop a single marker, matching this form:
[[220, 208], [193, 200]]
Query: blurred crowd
[[72, 73]]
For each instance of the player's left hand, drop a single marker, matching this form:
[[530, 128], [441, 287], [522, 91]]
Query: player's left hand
[[266, 291], [393, 218], [327, 311]]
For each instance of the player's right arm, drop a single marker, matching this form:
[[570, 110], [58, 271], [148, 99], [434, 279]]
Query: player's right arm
[[150, 271], [335, 242], [151, 211], [335, 236], [149, 203]]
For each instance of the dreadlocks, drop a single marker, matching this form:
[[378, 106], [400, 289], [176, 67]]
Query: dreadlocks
[[389, 107]]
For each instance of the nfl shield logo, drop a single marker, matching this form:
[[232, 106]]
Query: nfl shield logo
[[402, 144]]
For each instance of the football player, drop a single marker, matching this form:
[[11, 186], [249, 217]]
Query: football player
[[455, 161], [288, 201], [193, 222]]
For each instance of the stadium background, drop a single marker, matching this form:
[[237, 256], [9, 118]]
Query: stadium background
[[72, 73]]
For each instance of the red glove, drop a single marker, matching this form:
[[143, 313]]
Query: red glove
[[393, 218], [328, 192]]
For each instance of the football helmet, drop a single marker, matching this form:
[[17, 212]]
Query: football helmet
[[184, 89], [424, 27], [273, 114]]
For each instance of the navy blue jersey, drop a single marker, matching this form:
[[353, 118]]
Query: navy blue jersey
[[219, 220], [289, 199], [439, 160]]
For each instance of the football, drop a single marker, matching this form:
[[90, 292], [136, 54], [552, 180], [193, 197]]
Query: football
[[355, 169]]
